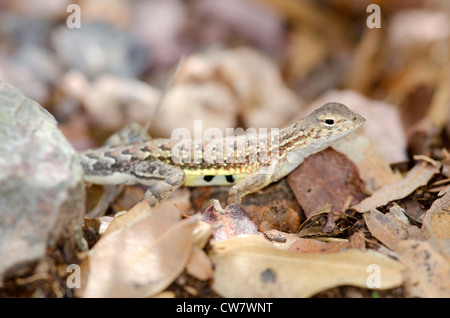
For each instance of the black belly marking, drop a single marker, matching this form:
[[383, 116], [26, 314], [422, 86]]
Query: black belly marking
[[230, 178], [208, 178]]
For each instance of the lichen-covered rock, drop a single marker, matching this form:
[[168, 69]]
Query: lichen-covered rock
[[41, 184]]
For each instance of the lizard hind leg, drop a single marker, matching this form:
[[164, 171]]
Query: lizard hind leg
[[129, 134], [162, 179]]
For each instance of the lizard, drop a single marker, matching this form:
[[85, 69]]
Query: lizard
[[165, 164]]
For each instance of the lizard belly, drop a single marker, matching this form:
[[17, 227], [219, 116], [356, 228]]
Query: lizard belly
[[212, 178], [195, 180], [217, 176]]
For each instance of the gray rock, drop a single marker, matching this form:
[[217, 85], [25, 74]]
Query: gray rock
[[41, 184], [98, 48]]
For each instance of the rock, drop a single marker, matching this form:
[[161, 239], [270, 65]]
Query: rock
[[41, 193], [98, 48]]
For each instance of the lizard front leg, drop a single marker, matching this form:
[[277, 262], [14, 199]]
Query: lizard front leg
[[162, 179], [255, 181]]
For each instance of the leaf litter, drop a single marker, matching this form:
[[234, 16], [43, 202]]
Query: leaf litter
[[379, 204], [141, 257], [270, 261]]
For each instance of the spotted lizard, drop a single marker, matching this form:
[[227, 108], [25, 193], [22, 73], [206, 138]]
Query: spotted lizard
[[165, 164]]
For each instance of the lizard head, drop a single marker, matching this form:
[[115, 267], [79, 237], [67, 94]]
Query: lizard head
[[332, 121]]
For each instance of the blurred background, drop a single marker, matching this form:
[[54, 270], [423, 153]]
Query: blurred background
[[248, 63]]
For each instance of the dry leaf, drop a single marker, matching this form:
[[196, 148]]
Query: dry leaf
[[362, 150], [437, 223], [186, 102], [428, 272], [365, 62], [279, 218], [140, 259], [100, 201], [258, 205], [253, 21], [243, 77], [294, 243], [416, 177], [130, 196], [414, 210], [201, 196], [357, 240], [327, 177], [413, 27], [229, 222], [304, 245], [312, 14], [103, 98], [385, 228], [250, 266], [255, 205], [94, 228], [420, 135], [398, 213], [280, 239], [202, 233], [180, 200], [199, 264], [122, 220], [314, 226], [313, 50]]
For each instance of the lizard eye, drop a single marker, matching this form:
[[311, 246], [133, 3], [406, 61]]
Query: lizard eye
[[329, 122]]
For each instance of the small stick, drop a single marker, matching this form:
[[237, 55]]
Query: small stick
[[163, 93]]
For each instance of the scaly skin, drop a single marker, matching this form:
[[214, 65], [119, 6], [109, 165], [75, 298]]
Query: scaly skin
[[249, 163]]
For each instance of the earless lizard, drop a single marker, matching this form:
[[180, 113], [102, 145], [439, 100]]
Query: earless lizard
[[248, 164]]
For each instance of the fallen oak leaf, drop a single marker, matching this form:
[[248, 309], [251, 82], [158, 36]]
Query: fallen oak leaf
[[427, 272], [140, 259], [327, 177], [199, 264], [436, 223], [202, 233], [363, 152], [414, 210], [250, 266], [385, 228], [418, 176], [122, 220]]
